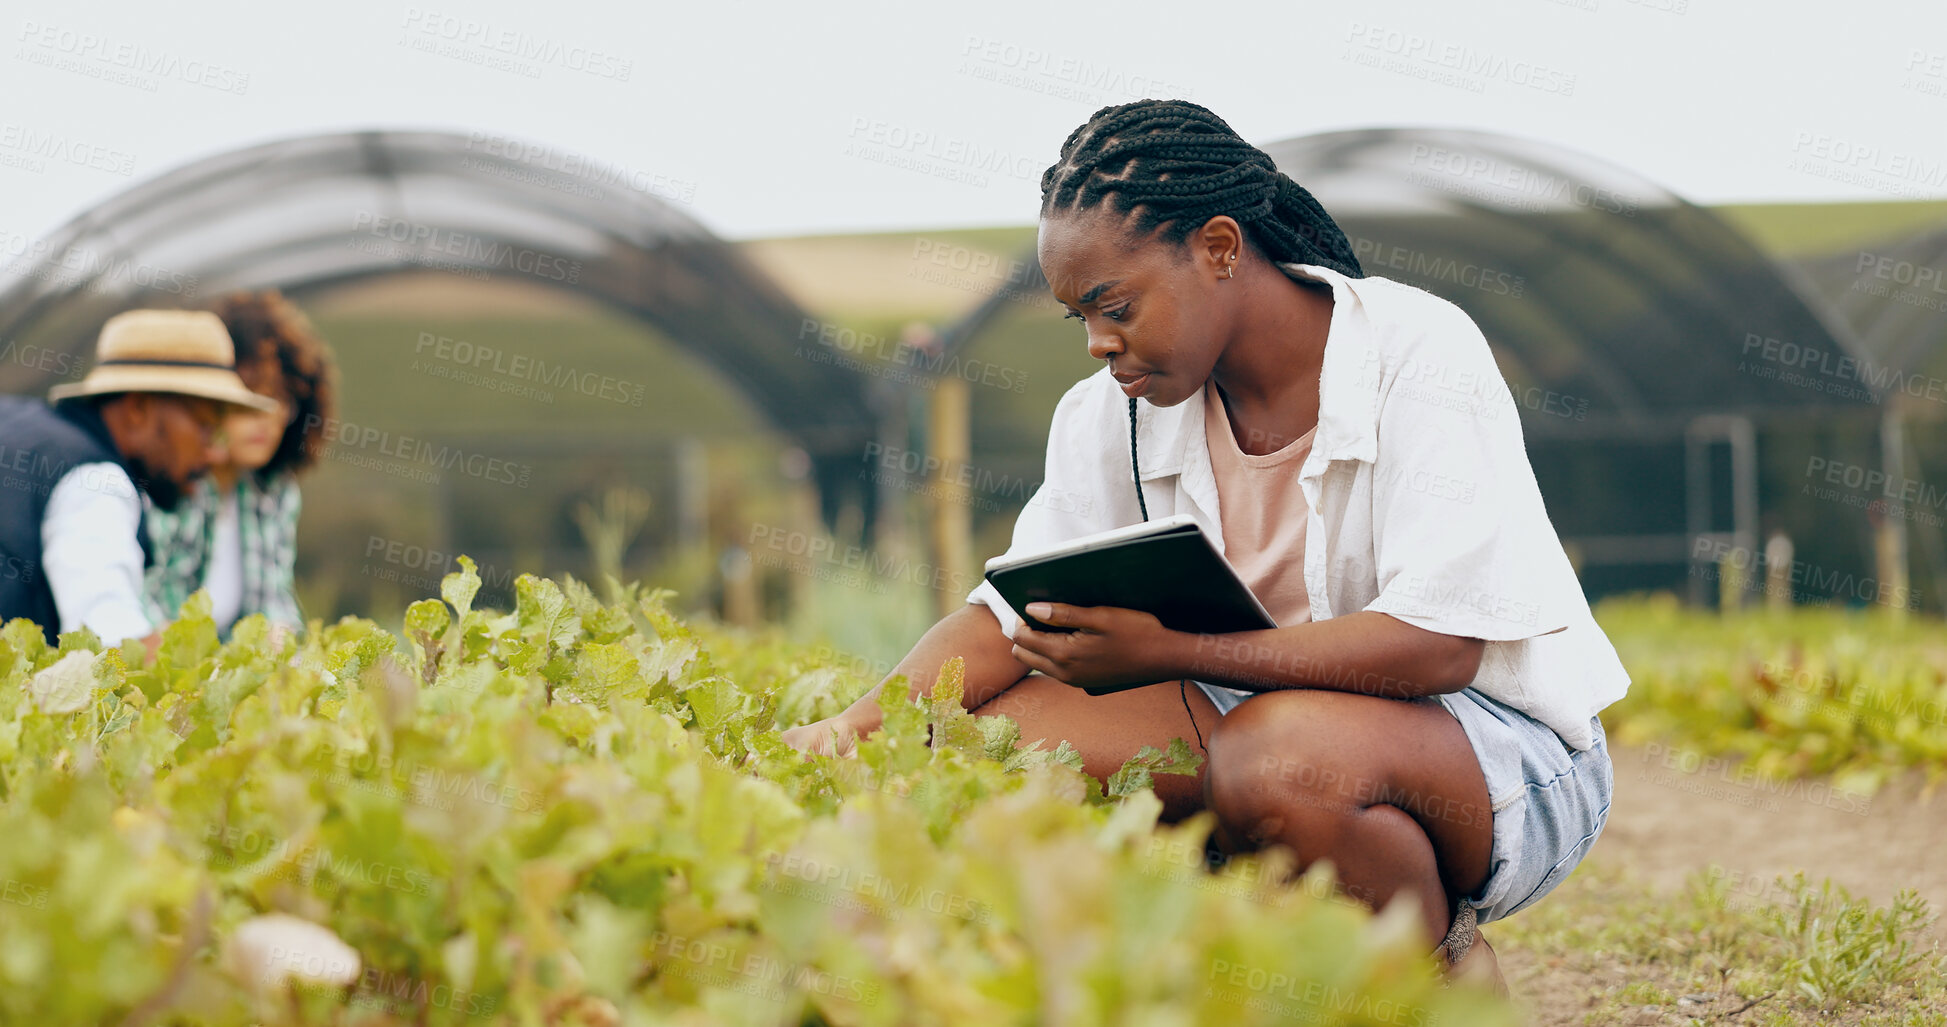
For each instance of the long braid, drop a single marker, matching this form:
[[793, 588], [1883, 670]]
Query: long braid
[[1173, 165]]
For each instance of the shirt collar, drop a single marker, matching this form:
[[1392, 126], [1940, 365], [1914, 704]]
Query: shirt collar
[[1348, 399]]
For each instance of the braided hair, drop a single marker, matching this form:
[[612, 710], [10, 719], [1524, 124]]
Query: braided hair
[[1174, 165]]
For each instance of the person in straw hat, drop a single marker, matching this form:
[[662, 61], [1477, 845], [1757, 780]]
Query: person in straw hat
[[72, 544], [235, 533]]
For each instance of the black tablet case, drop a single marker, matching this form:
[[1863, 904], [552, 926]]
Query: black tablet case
[[1177, 576]]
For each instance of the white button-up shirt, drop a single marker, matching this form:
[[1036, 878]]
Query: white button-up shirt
[[1423, 504], [91, 554]]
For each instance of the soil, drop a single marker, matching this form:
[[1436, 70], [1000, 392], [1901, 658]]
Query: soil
[[1665, 825]]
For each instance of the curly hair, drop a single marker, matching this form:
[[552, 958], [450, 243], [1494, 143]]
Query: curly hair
[[270, 334], [1175, 165]]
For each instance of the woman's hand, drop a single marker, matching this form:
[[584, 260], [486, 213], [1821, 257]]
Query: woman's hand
[[1111, 645], [836, 735]]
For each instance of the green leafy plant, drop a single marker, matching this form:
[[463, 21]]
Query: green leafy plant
[[1853, 695], [580, 812]]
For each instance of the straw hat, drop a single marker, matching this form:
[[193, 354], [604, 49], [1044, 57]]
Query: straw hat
[[187, 352]]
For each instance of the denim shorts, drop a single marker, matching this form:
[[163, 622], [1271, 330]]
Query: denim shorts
[[1549, 799]]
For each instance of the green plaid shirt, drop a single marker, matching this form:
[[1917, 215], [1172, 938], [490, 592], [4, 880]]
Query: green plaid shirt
[[183, 538]]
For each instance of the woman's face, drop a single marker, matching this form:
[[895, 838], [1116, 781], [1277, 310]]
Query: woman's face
[[253, 436], [1150, 309]]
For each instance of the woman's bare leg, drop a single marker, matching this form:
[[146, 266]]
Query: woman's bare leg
[[1108, 729], [1389, 791]]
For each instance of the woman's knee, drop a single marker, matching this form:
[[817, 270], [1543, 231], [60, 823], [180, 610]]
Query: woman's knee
[[1273, 762]]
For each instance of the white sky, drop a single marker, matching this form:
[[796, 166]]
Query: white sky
[[747, 109]]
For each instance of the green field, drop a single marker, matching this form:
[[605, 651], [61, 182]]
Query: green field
[[579, 812]]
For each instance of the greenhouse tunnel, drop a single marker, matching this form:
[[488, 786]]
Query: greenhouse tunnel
[[312, 213], [1644, 339]]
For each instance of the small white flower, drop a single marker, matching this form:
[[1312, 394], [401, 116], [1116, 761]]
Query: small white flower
[[267, 951], [66, 686]]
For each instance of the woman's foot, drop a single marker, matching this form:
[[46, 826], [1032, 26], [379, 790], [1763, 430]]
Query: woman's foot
[[1480, 964], [1467, 954]]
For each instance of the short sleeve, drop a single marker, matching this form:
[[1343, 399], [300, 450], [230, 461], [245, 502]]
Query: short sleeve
[[1462, 544]]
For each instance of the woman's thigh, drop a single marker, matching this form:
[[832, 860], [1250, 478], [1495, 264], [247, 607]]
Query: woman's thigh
[[1109, 729], [1289, 757]]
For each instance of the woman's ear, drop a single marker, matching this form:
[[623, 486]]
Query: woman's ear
[[1217, 246]]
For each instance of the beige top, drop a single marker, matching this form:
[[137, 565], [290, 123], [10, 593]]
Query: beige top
[[1263, 512]]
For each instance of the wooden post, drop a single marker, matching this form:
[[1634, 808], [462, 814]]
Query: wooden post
[[949, 443], [1889, 535]]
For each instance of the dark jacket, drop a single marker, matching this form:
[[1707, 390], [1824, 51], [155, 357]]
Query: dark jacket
[[38, 445]]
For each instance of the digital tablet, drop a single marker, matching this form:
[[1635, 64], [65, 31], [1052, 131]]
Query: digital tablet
[[1166, 567]]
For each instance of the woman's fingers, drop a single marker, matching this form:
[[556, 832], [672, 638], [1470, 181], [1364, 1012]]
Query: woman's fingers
[[1035, 661], [1062, 615], [829, 737]]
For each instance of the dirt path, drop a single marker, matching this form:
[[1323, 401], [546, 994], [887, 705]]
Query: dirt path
[[1665, 825]]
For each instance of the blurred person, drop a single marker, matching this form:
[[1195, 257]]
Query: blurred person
[[235, 533], [74, 471], [1424, 717]]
